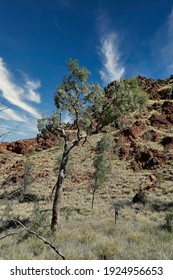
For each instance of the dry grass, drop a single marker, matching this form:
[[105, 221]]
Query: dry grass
[[86, 233]]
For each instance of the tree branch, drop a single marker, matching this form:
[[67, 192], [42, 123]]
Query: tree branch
[[4, 135], [38, 236], [11, 233]]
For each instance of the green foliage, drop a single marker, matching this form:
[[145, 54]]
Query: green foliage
[[129, 96], [75, 95], [105, 144], [101, 163], [39, 221], [102, 167], [169, 222], [70, 96], [86, 102], [120, 98], [50, 124]]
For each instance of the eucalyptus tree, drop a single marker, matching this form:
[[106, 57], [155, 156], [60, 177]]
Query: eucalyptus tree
[[91, 108], [74, 96]]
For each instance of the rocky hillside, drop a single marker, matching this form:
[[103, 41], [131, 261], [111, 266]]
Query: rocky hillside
[[139, 190], [146, 140]]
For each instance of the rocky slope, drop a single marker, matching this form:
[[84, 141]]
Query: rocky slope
[[146, 140]]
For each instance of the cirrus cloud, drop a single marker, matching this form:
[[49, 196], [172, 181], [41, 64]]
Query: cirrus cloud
[[110, 58], [16, 94], [16, 109]]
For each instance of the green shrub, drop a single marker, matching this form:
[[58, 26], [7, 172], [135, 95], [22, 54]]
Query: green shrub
[[169, 222]]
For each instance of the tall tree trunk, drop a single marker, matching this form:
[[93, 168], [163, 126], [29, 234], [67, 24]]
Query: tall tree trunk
[[58, 190], [61, 175]]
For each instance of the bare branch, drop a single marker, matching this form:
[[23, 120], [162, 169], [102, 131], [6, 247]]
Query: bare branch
[[40, 237], [62, 131], [11, 233], [4, 135], [85, 139], [77, 120]]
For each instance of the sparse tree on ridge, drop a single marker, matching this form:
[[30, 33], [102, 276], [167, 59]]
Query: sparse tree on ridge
[[74, 95]]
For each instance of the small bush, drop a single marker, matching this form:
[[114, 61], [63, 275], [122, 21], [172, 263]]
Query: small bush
[[105, 249], [169, 222]]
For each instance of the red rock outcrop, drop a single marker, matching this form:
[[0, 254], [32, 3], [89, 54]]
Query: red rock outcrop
[[3, 147], [132, 132], [27, 146], [150, 86], [160, 121], [167, 107]]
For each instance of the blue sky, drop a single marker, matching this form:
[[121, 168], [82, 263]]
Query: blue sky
[[113, 39]]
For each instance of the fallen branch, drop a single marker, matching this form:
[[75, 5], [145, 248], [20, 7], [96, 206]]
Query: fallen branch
[[11, 233], [34, 233]]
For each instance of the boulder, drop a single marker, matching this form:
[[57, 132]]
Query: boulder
[[3, 147], [150, 86], [167, 142], [151, 135], [160, 121], [132, 133], [167, 107], [123, 146], [140, 197]]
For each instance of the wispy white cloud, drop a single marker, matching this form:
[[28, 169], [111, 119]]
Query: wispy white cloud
[[31, 87], [16, 111], [15, 94], [110, 58], [9, 114]]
